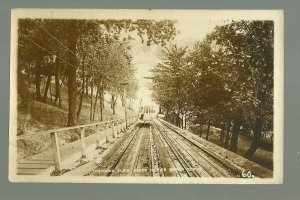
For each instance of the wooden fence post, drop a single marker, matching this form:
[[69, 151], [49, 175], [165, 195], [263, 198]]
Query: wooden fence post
[[120, 126], [55, 149], [97, 136], [106, 133], [112, 129], [82, 136], [117, 127]]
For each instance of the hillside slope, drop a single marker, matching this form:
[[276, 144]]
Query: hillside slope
[[45, 116]]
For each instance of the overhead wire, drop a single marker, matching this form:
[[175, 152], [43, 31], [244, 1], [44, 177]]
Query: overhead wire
[[41, 41], [51, 44], [57, 40], [60, 43], [43, 48], [54, 54]]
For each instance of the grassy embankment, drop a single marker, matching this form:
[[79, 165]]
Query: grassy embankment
[[45, 116], [263, 155]]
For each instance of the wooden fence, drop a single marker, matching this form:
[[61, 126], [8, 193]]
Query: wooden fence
[[117, 126]]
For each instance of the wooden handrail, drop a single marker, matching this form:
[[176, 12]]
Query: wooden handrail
[[54, 138], [19, 137]]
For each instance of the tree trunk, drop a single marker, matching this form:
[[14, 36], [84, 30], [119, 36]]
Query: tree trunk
[[114, 100], [256, 138], [101, 102], [177, 120], [222, 132], [50, 91], [82, 86], [47, 87], [87, 87], [100, 105], [57, 86], [207, 131], [92, 91], [227, 135], [185, 121], [25, 96], [71, 73], [38, 81], [101, 113], [95, 103], [63, 81], [80, 104], [129, 104], [81, 99], [235, 135]]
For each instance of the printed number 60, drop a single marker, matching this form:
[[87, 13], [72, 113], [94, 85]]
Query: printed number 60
[[247, 175]]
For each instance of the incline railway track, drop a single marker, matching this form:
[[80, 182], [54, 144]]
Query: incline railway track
[[121, 152], [208, 155], [132, 158], [157, 149], [197, 159], [108, 166], [156, 166], [184, 167], [141, 162]]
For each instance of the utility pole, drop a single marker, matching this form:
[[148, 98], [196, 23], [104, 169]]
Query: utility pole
[[139, 109]]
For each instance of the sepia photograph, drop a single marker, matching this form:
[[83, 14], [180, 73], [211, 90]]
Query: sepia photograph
[[146, 96]]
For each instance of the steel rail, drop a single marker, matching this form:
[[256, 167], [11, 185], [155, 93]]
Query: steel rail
[[178, 155], [232, 167], [114, 165], [205, 159]]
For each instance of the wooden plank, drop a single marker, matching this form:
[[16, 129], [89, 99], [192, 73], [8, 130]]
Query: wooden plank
[[25, 174], [55, 149], [36, 161], [28, 171], [34, 165]]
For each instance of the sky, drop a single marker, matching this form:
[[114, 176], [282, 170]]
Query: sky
[[144, 58]]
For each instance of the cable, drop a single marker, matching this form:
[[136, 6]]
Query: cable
[[57, 40], [60, 42], [92, 66], [49, 52], [50, 44], [50, 48]]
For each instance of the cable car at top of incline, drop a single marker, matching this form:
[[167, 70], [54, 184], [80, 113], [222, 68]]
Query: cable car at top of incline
[[146, 114]]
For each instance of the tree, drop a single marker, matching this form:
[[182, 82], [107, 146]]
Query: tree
[[228, 81], [208, 98], [169, 81], [248, 47], [156, 32], [68, 41]]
